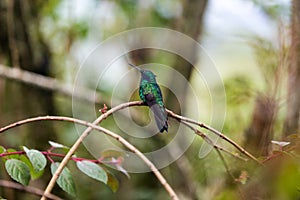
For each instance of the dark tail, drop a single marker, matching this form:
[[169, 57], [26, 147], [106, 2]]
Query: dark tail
[[161, 117]]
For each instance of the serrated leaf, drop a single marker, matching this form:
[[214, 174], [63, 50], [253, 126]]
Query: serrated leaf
[[57, 145], [65, 180], [18, 171], [92, 170], [2, 149], [37, 159], [112, 182], [33, 173]]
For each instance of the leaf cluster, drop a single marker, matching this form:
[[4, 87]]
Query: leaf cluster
[[29, 164]]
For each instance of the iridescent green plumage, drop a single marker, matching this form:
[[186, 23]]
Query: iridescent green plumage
[[150, 93]]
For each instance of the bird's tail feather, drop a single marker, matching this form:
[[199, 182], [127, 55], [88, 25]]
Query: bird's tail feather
[[161, 117]]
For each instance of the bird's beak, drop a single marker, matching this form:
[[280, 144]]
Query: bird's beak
[[135, 67]]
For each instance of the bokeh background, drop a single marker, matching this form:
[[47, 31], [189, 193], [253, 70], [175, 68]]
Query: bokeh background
[[253, 44]]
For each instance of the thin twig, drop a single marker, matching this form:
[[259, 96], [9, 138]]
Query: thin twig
[[109, 133], [216, 132], [81, 93], [229, 172], [225, 164], [210, 142], [92, 126], [28, 189], [216, 147], [79, 141]]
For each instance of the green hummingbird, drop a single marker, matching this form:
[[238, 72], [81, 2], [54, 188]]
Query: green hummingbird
[[150, 94]]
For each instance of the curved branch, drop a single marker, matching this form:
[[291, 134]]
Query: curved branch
[[53, 85], [84, 135], [92, 126]]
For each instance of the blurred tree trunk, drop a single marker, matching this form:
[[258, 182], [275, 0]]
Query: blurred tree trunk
[[22, 45], [191, 24], [293, 99], [260, 131]]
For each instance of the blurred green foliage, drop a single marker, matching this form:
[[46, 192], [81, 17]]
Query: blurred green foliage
[[68, 35]]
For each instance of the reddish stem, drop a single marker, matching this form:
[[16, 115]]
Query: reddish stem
[[49, 154]]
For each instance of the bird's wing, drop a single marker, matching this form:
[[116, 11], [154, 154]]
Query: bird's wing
[[160, 114], [161, 117]]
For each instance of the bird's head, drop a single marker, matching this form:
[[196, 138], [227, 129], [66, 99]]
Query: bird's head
[[146, 74]]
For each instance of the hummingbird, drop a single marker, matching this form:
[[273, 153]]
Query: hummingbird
[[150, 94]]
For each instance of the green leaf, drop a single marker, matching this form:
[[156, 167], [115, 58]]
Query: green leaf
[[92, 170], [65, 180], [57, 145], [37, 159], [18, 171], [112, 182], [15, 156], [2, 149], [34, 174]]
